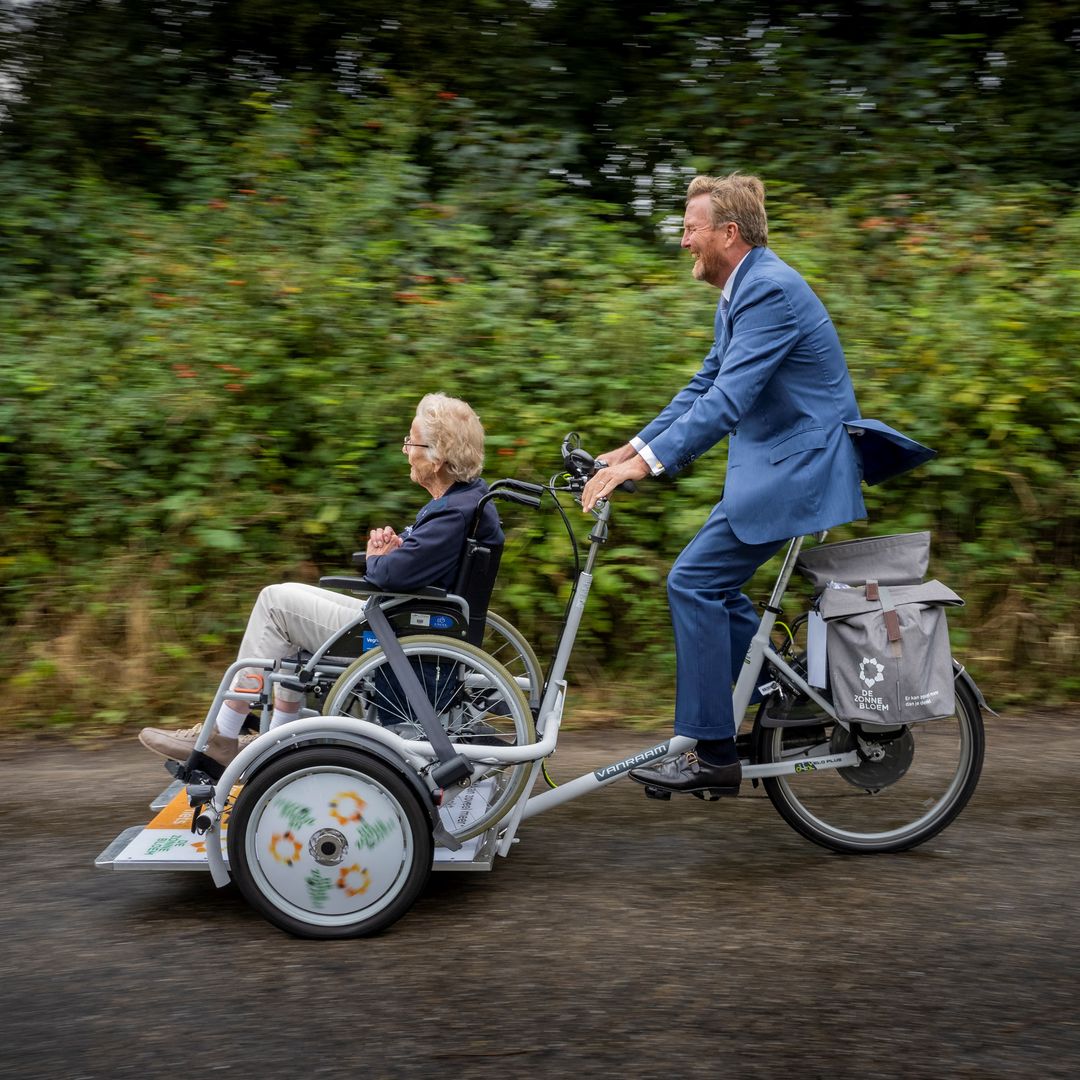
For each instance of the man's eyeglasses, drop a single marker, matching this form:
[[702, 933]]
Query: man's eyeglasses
[[409, 444]]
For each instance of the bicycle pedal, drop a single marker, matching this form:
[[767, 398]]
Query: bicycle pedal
[[656, 793]]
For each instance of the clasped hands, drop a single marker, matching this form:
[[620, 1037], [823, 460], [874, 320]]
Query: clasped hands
[[383, 540]]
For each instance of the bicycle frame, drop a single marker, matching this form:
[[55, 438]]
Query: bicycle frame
[[760, 650]]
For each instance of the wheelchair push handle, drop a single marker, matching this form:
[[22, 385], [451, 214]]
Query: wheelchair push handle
[[520, 497], [518, 491]]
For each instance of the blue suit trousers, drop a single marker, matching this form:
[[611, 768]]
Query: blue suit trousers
[[713, 623]]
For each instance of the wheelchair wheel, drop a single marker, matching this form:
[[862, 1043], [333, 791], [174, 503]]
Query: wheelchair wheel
[[505, 643], [475, 698], [913, 781], [329, 843]]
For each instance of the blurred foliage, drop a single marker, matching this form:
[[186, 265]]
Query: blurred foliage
[[626, 94], [238, 241]]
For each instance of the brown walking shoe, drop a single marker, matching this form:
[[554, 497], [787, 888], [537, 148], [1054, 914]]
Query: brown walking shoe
[[178, 745]]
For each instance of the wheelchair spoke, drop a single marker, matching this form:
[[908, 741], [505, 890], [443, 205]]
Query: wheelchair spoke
[[475, 699]]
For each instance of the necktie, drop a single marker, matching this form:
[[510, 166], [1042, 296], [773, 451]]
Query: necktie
[[721, 322]]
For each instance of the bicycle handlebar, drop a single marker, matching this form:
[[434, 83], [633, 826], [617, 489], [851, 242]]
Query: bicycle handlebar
[[581, 465]]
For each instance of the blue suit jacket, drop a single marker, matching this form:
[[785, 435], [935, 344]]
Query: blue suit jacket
[[775, 380]]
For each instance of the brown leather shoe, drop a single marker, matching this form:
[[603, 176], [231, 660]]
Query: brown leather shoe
[[690, 775], [178, 745]]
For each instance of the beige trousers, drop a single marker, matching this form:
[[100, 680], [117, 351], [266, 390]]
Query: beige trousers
[[292, 616]]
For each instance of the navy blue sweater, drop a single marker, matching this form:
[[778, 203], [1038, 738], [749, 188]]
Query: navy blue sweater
[[435, 542]]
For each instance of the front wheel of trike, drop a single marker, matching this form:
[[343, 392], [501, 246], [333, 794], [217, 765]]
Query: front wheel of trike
[[910, 784], [329, 843]]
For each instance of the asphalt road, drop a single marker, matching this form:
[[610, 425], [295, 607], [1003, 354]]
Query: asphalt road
[[622, 937]]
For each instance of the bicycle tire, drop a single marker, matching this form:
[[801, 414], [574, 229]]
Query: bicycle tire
[[837, 809], [329, 843]]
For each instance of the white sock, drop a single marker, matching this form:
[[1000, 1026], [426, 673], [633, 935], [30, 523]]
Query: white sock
[[229, 721], [281, 716]]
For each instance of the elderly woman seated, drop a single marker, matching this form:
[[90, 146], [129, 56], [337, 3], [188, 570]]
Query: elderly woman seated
[[445, 448]]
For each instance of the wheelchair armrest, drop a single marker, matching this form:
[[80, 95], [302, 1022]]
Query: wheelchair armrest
[[349, 584], [369, 588]]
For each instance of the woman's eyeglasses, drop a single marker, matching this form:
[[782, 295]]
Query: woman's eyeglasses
[[408, 444]]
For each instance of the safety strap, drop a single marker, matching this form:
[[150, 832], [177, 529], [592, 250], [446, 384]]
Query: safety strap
[[880, 594], [452, 767]]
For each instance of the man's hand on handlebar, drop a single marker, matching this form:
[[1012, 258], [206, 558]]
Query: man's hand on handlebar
[[617, 457], [607, 480]]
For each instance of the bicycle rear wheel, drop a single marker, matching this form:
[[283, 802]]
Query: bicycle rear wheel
[[911, 782]]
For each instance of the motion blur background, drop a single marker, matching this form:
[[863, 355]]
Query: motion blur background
[[240, 238]]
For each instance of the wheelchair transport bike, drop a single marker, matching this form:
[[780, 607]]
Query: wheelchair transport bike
[[435, 721]]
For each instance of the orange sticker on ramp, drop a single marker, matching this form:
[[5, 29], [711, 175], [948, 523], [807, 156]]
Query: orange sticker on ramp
[[177, 814]]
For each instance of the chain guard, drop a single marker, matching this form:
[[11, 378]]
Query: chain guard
[[898, 752]]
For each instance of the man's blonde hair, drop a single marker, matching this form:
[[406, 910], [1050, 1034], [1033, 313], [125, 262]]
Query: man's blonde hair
[[737, 198], [454, 433]]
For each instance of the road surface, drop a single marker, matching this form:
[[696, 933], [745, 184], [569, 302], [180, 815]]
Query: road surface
[[623, 937]]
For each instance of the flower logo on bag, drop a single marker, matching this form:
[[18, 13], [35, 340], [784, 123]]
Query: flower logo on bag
[[870, 671]]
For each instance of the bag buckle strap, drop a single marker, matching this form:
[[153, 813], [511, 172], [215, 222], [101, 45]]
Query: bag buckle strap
[[881, 595]]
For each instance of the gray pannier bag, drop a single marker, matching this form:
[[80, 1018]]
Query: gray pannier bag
[[901, 559], [887, 638]]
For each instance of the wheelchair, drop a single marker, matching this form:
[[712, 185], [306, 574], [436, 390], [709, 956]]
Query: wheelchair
[[477, 672], [395, 772], [480, 675]]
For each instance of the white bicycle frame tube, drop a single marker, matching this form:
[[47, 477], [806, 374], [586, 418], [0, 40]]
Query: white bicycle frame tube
[[760, 649]]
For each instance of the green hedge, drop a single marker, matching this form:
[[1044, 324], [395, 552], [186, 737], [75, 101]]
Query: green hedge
[[214, 396]]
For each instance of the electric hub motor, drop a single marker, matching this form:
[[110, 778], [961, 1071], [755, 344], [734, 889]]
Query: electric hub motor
[[884, 755]]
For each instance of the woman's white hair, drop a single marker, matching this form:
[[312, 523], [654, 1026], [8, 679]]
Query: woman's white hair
[[453, 433]]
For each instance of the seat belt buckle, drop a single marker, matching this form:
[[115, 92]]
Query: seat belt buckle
[[455, 770]]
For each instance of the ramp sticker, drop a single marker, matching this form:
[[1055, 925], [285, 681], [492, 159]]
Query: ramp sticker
[[167, 839]]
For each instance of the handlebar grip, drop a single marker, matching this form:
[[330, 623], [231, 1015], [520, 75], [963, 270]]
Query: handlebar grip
[[517, 485], [628, 486]]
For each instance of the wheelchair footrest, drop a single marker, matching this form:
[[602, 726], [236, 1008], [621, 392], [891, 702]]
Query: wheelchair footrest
[[198, 769]]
